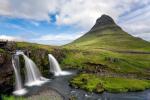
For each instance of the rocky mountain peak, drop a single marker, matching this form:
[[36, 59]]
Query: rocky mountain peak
[[103, 21]]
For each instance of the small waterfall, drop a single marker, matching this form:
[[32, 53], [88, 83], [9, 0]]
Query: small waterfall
[[19, 90], [33, 75], [55, 68]]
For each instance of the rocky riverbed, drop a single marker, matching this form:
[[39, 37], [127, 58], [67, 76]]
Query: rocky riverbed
[[46, 94], [58, 88]]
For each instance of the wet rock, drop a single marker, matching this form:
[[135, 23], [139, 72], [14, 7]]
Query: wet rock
[[59, 54], [6, 74], [73, 98], [2, 58]]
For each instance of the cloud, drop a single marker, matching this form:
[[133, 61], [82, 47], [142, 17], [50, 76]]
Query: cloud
[[145, 36], [68, 12], [10, 38], [28, 9], [137, 23], [84, 13], [56, 39], [52, 39], [132, 15]]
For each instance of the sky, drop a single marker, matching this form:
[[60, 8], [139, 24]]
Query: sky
[[57, 22]]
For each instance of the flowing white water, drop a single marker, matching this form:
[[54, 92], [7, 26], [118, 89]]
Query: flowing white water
[[33, 75], [55, 68], [19, 90]]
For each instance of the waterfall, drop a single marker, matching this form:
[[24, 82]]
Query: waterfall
[[55, 68], [33, 75], [19, 90]]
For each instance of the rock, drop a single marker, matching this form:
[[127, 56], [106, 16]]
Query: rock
[[103, 21], [99, 88], [112, 60], [6, 74], [45, 93], [73, 98], [59, 54], [11, 46], [2, 59], [95, 67]]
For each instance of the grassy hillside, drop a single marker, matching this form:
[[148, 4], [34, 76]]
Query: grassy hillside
[[107, 51], [111, 38], [106, 44], [27, 45], [88, 59]]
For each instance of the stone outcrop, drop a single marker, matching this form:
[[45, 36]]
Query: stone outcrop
[[102, 22], [6, 73]]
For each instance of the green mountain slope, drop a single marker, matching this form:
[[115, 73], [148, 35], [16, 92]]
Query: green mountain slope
[[107, 49], [105, 34]]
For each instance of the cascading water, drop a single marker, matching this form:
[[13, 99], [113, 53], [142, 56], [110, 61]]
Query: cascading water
[[33, 76], [55, 68], [19, 90]]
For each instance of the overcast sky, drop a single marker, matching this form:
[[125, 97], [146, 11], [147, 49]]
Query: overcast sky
[[58, 22]]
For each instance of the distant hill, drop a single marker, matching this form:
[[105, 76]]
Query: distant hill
[[106, 34]]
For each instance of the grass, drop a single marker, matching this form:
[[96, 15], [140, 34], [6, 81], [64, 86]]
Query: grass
[[1, 50], [93, 83], [102, 46], [33, 46], [110, 38], [4, 97], [99, 47], [125, 63]]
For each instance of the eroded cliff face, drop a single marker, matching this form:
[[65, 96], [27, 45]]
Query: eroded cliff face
[[6, 69], [6, 73], [38, 55], [7, 78]]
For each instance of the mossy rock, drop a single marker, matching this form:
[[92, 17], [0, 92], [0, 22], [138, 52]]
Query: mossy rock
[[99, 88]]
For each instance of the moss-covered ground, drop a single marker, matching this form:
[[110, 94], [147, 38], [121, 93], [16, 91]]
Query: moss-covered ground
[[93, 83]]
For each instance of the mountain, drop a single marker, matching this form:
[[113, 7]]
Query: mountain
[[106, 34], [93, 53], [103, 21]]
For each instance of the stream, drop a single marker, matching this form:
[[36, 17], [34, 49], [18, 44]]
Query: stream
[[61, 85]]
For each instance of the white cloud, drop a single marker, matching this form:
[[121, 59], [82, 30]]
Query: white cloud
[[145, 36], [137, 23], [57, 39], [80, 13], [28, 9], [10, 38], [84, 13], [75, 12]]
